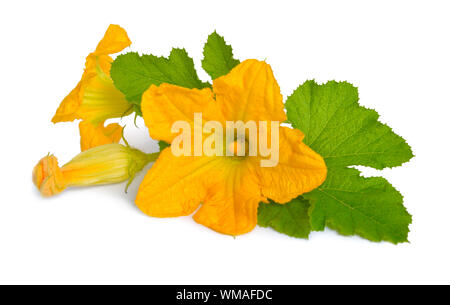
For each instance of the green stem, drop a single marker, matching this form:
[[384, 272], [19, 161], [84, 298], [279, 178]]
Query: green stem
[[151, 157]]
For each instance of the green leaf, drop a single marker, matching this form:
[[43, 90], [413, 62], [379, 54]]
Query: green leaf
[[133, 74], [346, 134], [162, 145], [218, 56], [351, 204], [291, 219], [342, 131]]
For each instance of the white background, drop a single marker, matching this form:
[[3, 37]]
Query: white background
[[396, 52]]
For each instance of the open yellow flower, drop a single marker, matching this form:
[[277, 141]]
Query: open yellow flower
[[229, 187], [104, 164], [95, 98]]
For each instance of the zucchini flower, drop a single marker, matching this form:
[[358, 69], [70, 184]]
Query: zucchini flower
[[105, 164], [95, 99]]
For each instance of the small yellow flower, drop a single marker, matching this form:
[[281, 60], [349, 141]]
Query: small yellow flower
[[229, 188], [105, 164], [95, 99]]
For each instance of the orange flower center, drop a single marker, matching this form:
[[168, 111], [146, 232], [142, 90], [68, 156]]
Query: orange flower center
[[238, 148]]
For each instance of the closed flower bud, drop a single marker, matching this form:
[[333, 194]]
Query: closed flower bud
[[105, 164]]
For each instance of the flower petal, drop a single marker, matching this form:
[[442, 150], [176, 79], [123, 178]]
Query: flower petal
[[67, 110], [48, 177], [175, 186], [166, 104], [115, 40], [299, 169], [231, 207], [92, 136], [101, 101], [250, 92]]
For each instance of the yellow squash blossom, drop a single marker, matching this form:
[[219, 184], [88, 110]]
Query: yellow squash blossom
[[228, 187], [105, 164], [95, 98]]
